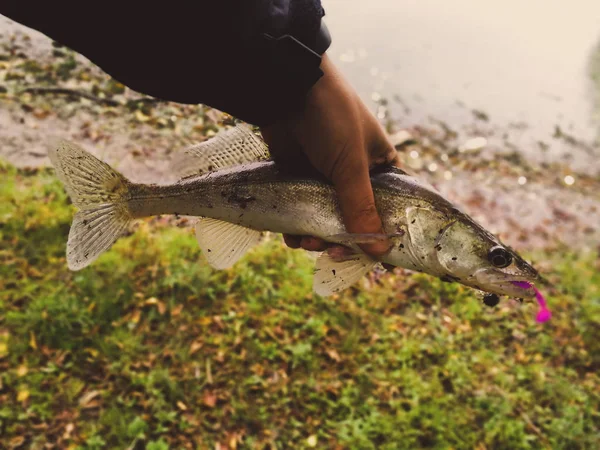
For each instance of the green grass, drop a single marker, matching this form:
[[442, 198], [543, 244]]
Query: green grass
[[150, 348]]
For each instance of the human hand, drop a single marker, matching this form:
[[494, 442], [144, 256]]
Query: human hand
[[342, 139]]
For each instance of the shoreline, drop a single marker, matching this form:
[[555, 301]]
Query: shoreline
[[529, 204]]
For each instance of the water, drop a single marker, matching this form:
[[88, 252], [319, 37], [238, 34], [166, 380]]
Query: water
[[524, 64]]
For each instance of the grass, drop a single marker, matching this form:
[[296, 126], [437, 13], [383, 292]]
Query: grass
[[150, 348]]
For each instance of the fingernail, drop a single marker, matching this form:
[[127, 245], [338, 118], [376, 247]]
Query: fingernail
[[377, 249], [339, 253], [312, 244], [291, 241]]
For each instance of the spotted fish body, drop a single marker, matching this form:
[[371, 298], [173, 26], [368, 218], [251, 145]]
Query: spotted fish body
[[242, 195]]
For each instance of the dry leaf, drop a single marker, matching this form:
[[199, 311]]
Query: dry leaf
[[140, 116], [17, 441], [3, 344], [177, 310], [151, 301], [32, 341], [23, 395], [86, 399], [22, 370], [196, 345], [205, 321], [182, 406], [135, 317], [209, 399], [68, 430], [333, 354], [160, 306]]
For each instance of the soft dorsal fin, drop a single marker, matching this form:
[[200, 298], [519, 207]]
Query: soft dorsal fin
[[332, 275], [224, 243], [237, 145]]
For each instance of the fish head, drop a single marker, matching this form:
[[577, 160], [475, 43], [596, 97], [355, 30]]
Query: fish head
[[466, 252], [449, 244]]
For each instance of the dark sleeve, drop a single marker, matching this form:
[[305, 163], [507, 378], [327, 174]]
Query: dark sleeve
[[254, 59]]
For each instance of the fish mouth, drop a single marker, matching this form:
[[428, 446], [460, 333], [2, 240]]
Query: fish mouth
[[497, 282]]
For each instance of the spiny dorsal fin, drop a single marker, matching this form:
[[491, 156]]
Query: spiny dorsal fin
[[232, 147], [224, 243], [333, 276]]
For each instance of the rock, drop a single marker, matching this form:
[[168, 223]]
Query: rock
[[474, 145]]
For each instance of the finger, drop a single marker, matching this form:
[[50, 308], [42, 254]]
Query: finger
[[339, 252], [285, 149], [292, 241], [313, 244], [394, 159], [383, 152], [357, 202]]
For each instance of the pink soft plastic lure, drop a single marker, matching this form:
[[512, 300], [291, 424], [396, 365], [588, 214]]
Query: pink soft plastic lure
[[544, 313]]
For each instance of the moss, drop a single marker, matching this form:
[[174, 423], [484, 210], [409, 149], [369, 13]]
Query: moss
[[150, 347]]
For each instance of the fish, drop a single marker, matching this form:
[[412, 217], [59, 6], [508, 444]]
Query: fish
[[238, 192]]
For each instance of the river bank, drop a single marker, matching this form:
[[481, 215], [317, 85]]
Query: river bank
[[48, 93]]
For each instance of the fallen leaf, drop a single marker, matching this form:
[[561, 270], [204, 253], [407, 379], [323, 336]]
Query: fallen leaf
[[32, 341], [205, 320], [177, 310], [160, 306], [182, 406], [87, 398], [68, 430], [151, 301], [40, 113], [23, 395], [196, 345], [135, 317], [333, 354], [22, 370], [209, 399], [3, 346], [140, 116], [17, 441]]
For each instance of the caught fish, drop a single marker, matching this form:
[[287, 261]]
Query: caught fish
[[237, 193]]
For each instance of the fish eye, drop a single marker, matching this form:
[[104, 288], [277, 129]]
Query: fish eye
[[499, 257]]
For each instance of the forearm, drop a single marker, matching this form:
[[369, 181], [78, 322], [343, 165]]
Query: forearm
[[192, 52]]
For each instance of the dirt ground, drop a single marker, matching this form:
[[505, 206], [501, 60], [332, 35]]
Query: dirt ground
[[48, 93]]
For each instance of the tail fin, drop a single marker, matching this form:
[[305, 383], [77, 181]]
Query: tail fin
[[99, 192]]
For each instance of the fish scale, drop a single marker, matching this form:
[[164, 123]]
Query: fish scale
[[231, 183]]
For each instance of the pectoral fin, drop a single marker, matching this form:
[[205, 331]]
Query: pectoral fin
[[333, 276], [224, 243]]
